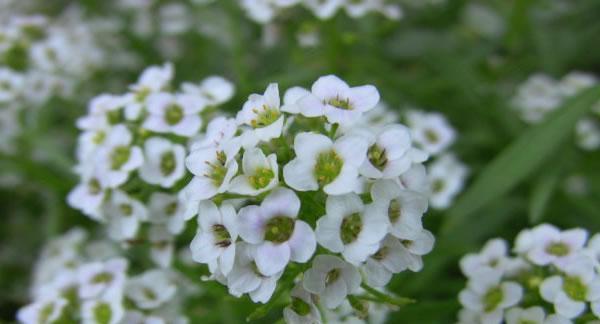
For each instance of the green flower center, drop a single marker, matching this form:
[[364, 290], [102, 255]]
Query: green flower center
[[33, 32], [142, 93], [381, 253], [167, 163], [94, 187], [261, 178], [126, 209], [265, 116], [437, 185], [394, 211], [432, 136], [559, 249], [46, 312], [299, 306], [223, 239], [171, 208], [328, 167], [350, 228], [173, 114], [377, 157], [99, 137], [279, 229], [16, 57], [102, 277], [218, 170], [102, 313], [114, 117], [340, 103], [492, 299], [524, 321], [119, 156], [149, 293], [575, 288], [332, 276]]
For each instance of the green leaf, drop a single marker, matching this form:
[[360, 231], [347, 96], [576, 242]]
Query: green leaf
[[515, 163], [541, 194]]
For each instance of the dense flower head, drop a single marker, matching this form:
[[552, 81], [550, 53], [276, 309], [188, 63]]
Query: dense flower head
[[552, 277], [81, 281], [308, 189]]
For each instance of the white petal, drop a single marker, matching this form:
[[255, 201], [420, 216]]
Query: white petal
[[302, 243], [550, 288], [251, 224], [272, 258], [309, 145], [328, 233], [298, 174]]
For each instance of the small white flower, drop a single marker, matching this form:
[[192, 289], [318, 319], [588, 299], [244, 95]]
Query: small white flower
[[101, 278], [154, 79], [102, 111], [416, 179], [168, 210], [392, 257], [291, 98], [259, 173], [123, 215], [447, 176], [332, 279], [494, 255], [245, 277], [431, 131], [262, 114], [11, 84], [587, 131], [571, 292], [214, 243], [42, 311], [320, 162], [404, 208], [150, 289], [533, 315], [178, 114], [302, 309], [117, 158], [163, 162], [351, 228], [324, 9], [551, 246], [536, 97], [575, 82], [488, 296], [219, 130], [102, 311], [89, 195], [277, 233], [335, 99], [215, 90], [417, 247], [161, 245]]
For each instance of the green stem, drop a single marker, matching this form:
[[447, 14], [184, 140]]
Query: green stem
[[397, 301], [333, 130]]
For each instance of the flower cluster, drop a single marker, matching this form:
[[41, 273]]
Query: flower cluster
[[264, 11], [131, 156], [433, 133], [82, 281], [552, 278], [306, 191], [541, 94]]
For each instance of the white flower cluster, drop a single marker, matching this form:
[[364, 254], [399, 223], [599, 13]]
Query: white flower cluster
[[78, 281], [131, 156], [553, 278], [432, 132], [541, 94], [43, 57], [264, 11], [306, 190]]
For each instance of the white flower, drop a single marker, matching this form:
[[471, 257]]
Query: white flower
[[551, 246], [324, 9], [117, 158], [536, 97], [150, 289], [587, 131], [277, 233], [214, 243], [416, 179], [219, 130], [261, 11], [404, 208], [332, 279], [431, 131], [215, 90], [102, 311], [260, 173], [493, 256], [163, 162], [11, 84], [302, 309], [570, 293], [417, 247], [97, 279], [335, 99], [390, 153], [42, 311], [102, 111], [89, 195], [178, 114], [533, 315], [391, 257], [447, 176], [154, 79], [351, 228], [322, 163], [213, 168], [291, 98], [168, 210], [262, 114], [161, 245], [123, 215], [487, 295], [245, 278], [174, 18], [575, 82]]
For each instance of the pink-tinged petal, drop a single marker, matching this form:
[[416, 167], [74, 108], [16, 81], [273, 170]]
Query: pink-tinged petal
[[251, 224], [302, 243], [272, 258]]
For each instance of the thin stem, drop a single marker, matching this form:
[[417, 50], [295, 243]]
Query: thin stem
[[398, 301]]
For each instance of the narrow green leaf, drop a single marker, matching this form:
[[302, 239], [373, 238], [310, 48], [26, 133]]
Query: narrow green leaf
[[541, 194], [521, 158]]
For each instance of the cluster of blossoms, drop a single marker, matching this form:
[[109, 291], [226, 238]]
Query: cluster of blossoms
[[43, 57], [306, 191], [131, 156], [432, 133], [541, 94], [264, 11], [553, 278], [82, 281]]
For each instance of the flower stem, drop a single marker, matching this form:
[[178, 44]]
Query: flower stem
[[397, 301]]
